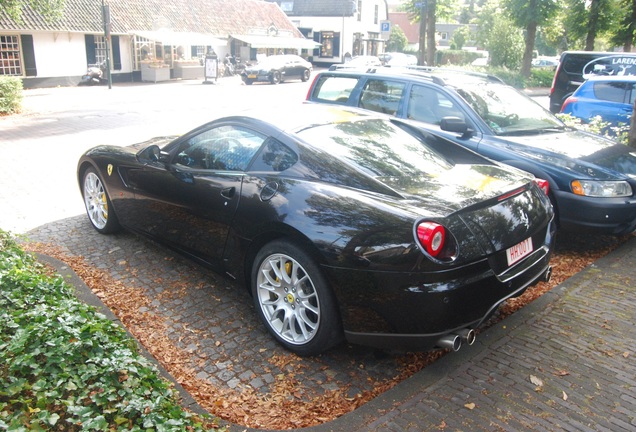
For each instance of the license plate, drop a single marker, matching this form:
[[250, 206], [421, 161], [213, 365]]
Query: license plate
[[251, 76], [517, 252]]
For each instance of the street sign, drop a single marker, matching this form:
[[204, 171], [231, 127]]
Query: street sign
[[385, 26]]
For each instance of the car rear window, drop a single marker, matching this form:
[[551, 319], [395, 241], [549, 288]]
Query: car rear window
[[334, 88], [377, 147]]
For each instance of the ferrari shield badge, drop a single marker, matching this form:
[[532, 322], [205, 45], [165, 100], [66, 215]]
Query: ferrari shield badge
[[110, 169]]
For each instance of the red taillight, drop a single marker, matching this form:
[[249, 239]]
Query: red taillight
[[567, 102], [432, 237], [544, 185]]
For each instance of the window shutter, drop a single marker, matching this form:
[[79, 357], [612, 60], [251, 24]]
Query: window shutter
[[28, 55], [90, 49], [116, 53]]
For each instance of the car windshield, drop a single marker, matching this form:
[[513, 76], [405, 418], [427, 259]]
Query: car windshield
[[378, 148], [508, 112]]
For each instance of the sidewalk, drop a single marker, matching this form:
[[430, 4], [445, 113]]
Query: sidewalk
[[566, 362]]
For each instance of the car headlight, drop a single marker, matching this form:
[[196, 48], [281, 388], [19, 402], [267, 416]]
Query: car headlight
[[605, 189]]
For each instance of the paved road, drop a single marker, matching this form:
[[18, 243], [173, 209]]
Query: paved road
[[578, 340], [59, 124]]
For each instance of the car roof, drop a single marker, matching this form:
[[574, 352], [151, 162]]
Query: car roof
[[294, 118], [609, 78], [440, 76]]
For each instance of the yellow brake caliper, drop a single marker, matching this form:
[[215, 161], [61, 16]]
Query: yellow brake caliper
[[288, 270]]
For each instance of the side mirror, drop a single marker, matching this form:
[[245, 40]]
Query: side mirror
[[455, 124], [151, 154]]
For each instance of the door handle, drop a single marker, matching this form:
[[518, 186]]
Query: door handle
[[228, 192]]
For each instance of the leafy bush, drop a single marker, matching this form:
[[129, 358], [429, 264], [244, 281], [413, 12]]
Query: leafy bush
[[10, 94], [63, 366], [541, 77], [597, 126]]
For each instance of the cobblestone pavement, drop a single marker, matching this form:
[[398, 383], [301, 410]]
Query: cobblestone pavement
[[577, 341]]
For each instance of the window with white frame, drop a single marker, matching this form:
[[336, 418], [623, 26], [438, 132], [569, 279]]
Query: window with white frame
[[10, 60], [375, 17], [100, 49], [359, 10], [144, 50]]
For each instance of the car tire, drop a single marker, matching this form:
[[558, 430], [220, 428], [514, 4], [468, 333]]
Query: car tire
[[275, 77], [99, 208], [249, 82], [294, 300], [305, 75]]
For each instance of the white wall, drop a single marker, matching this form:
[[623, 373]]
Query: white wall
[[351, 24], [59, 54], [64, 54]]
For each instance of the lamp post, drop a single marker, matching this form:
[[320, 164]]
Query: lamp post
[[106, 21]]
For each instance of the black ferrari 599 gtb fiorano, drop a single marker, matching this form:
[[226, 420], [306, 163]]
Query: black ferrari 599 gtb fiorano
[[342, 224]]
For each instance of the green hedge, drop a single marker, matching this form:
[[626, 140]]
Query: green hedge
[[65, 367], [10, 95]]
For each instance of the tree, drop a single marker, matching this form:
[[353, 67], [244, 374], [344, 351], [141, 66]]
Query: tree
[[397, 40], [586, 20], [426, 12], [49, 9], [530, 15], [460, 36], [430, 33], [625, 32], [499, 36]]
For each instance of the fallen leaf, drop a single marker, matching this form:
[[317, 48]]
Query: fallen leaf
[[536, 381], [626, 354], [565, 396], [470, 406]]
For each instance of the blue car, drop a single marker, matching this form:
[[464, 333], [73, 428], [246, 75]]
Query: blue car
[[610, 97]]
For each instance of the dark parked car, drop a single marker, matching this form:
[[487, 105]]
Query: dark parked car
[[609, 97], [576, 66], [277, 68], [340, 222], [592, 179]]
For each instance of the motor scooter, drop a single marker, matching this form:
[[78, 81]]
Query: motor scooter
[[94, 75]]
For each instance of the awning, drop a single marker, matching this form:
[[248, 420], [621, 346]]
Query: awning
[[169, 37], [262, 41]]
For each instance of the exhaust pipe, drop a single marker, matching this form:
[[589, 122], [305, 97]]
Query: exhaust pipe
[[547, 275], [451, 341], [468, 335]]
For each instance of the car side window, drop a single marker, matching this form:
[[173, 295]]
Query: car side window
[[610, 91], [334, 89], [382, 96], [224, 148], [631, 93], [430, 106], [275, 157]]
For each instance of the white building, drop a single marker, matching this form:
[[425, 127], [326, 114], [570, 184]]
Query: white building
[[342, 27], [168, 36]]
